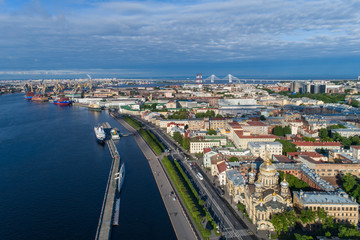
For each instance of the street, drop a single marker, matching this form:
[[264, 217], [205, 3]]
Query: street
[[229, 225]]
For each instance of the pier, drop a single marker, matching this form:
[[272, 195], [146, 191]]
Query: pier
[[183, 228], [106, 216]]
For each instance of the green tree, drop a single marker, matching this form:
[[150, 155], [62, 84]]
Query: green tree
[[278, 131], [323, 133], [233, 159], [283, 221], [211, 132], [219, 115], [287, 146], [262, 118], [186, 143], [287, 130], [349, 181], [302, 237], [321, 214], [308, 216], [178, 137], [354, 103], [309, 139]]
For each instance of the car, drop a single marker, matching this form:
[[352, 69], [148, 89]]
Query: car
[[200, 176], [174, 198], [220, 191]]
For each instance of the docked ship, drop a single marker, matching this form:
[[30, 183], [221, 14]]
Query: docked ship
[[114, 134], [62, 101], [40, 98], [121, 177], [29, 95], [116, 212], [100, 134], [95, 107]]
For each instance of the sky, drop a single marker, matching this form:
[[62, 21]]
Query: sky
[[158, 38]]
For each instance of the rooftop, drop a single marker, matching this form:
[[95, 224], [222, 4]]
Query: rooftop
[[324, 198]]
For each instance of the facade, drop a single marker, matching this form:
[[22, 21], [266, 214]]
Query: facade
[[265, 150], [255, 127], [262, 195], [198, 146], [313, 146], [336, 204], [241, 140], [346, 132]]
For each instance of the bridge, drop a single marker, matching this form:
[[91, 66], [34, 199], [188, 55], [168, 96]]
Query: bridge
[[103, 231], [230, 78]]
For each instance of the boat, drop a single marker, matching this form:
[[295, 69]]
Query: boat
[[116, 212], [121, 177], [100, 134], [29, 95], [40, 98], [62, 101], [114, 134], [95, 107]]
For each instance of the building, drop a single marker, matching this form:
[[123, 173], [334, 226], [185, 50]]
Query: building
[[346, 132], [313, 146], [255, 127], [198, 146], [265, 150], [218, 169], [262, 198], [336, 204], [207, 158], [241, 139]]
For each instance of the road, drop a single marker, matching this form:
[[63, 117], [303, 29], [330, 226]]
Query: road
[[230, 226], [181, 224]]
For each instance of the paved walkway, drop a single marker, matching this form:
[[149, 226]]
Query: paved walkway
[[180, 222], [105, 221]]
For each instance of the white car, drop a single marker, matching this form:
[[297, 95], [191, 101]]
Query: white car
[[200, 176]]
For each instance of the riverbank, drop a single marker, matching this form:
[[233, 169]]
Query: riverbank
[[181, 224]]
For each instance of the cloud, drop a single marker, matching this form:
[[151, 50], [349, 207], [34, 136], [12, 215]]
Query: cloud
[[113, 34]]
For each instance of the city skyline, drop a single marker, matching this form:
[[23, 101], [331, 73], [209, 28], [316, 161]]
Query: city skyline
[[312, 39]]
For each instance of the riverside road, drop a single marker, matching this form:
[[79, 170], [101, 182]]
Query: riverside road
[[230, 226], [182, 226]]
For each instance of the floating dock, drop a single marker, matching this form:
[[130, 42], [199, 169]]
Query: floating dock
[[116, 212], [106, 216]]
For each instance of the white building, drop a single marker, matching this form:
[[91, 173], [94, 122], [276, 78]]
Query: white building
[[265, 150], [198, 146]]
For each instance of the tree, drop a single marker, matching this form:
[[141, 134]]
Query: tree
[[302, 237], [278, 131], [287, 146], [233, 159], [309, 139], [186, 143], [262, 118], [211, 132], [323, 133], [219, 115], [308, 216], [321, 214], [354, 103], [287, 130], [283, 221], [178, 137], [349, 181]]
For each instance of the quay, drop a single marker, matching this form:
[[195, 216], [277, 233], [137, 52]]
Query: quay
[[180, 221], [103, 231]]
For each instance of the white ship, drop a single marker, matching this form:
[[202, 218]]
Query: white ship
[[100, 134], [121, 177], [114, 134]]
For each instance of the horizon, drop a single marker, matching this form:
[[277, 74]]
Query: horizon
[[315, 39]]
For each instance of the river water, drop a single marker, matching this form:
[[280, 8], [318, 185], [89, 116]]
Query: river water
[[53, 176]]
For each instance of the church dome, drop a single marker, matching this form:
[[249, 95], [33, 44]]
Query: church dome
[[267, 166], [284, 183]]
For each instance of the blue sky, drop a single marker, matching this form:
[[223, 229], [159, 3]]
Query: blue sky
[[255, 38]]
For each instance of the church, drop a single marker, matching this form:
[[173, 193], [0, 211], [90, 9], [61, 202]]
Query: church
[[262, 194]]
